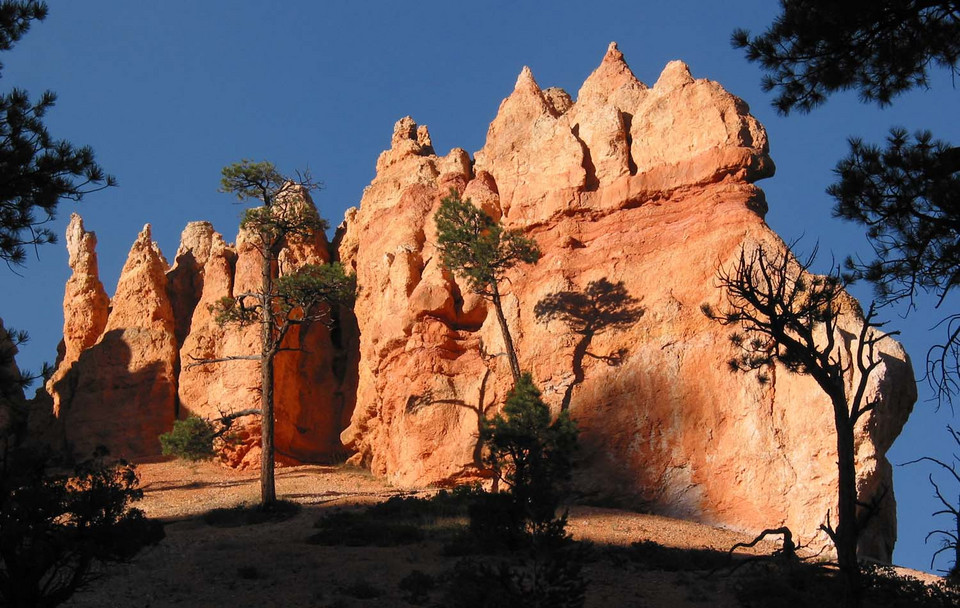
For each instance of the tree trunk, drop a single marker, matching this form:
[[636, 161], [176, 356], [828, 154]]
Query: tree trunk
[[954, 574], [505, 330], [268, 491], [579, 352], [846, 527]]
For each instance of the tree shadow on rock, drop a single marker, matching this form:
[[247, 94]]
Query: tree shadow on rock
[[600, 307], [116, 396], [427, 398]]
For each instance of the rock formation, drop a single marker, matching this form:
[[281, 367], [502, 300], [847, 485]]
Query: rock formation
[[130, 366], [85, 302], [120, 391], [642, 190], [635, 194]]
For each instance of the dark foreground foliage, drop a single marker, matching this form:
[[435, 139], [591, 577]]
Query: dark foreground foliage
[[767, 585], [55, 528]]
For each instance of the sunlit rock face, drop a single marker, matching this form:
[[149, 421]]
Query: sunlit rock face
[[636, 195], [85, 302], [130, 366]]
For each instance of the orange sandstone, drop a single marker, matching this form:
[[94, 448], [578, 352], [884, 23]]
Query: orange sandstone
[[649, 186]]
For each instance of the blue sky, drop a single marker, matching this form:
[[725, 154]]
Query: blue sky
[[169, 92]]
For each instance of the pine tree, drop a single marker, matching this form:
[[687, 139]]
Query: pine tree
[[477, 248], [532, 455], [36, 171], [283, 302]]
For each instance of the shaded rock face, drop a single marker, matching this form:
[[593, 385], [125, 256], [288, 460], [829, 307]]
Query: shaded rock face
[[128, 366], [635, 195], [120, 391]]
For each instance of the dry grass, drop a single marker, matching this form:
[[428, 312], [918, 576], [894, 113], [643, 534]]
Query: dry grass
[[273, 564]]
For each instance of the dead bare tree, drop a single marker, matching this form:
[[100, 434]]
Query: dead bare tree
[[950, 539], [787, 315]]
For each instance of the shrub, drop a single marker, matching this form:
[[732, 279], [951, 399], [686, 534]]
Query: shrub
[[251, 515], [54, 528], [190, 439], [363, 590], [532, 456], [353, 529], [551, 583], [416, 587]]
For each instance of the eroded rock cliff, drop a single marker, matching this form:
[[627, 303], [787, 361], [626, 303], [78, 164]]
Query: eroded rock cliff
[[130, 365], [636, 195]]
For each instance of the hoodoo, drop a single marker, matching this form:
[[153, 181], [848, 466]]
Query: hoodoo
[[636, 195], [632, 192]]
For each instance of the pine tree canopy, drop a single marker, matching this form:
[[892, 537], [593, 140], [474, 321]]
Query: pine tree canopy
[[879, 48], [36, 170], [476, 247]]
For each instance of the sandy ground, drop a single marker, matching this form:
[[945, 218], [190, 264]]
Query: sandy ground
[[270, 564]]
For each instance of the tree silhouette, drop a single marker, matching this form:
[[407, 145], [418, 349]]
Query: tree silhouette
[[950, 538], [789, 316], [36, 171], [54, 528], [906, 194], [600, 307], [476, 247]]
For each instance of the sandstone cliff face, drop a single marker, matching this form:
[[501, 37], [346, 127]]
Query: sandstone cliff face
[[121, 390], [85, 302], [129, 367], [635, 195]]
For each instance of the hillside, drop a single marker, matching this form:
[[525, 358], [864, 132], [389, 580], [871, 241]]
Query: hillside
[[272, 564]]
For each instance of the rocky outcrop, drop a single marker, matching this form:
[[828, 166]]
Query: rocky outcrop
[[636, 195], [129, 367], [85, 302], [307, 393], [211, 390], [120, 391], [185, 280]]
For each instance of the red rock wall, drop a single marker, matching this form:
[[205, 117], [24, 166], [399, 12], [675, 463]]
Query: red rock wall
[[646, 190], [648, 187], [128, 366]]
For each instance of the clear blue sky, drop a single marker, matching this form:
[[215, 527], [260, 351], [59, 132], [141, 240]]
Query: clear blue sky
[[169, 92]]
